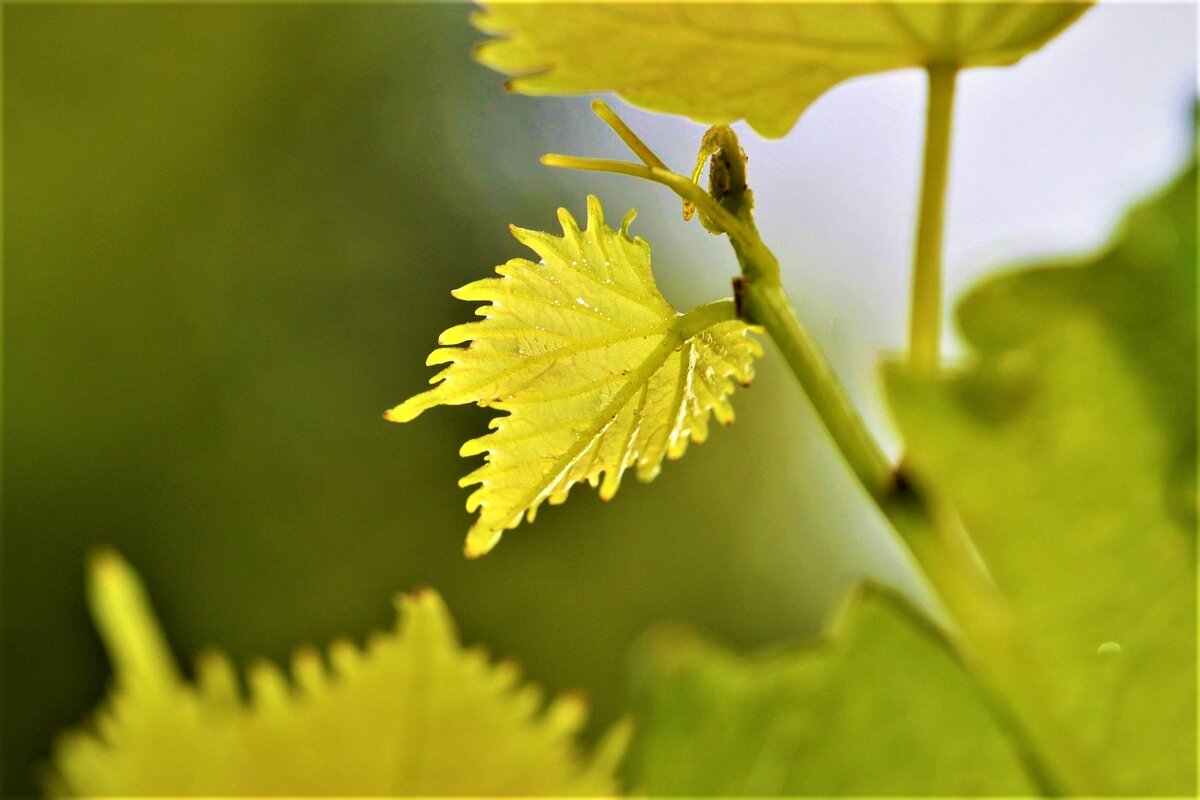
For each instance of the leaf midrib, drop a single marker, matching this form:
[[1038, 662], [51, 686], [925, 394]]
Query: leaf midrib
[[683, 328]]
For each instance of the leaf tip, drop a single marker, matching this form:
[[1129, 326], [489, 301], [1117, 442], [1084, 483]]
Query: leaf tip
[[480, 541], [267, 686], [613, 745], [568, 712], [627, 221], [595, 213], [478, 48], [409, 410], [105, 565]]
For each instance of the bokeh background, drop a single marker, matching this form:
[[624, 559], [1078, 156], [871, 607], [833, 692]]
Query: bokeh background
[[230, 233]]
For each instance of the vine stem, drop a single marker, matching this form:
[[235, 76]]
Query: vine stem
[[982, 632], [765, 303], [925, 321]]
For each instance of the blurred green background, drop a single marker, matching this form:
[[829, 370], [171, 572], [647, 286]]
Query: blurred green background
[[231, 233]]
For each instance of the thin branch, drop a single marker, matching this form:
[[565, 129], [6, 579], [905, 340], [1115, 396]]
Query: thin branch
[[631, 140], [672, 180]]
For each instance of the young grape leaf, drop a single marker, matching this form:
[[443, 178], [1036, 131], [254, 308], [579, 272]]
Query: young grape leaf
[[597, 372], [412, 714], [761, 62], [878, 707], [1068, 445]]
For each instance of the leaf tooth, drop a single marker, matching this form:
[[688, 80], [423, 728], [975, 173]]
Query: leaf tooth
[[473, 447], [108, 725], [610, 751], [595, 215], [268, 687], [722, 408], [443, 355], [457, 334], [567, 713], [647, 470], [217, 678], [344, 658], [627, 221], [755, 346], [567, 221], [484, 21], [423, 614], [560, 494], [544, 244], [527, 700], [512, 267], [505, 674], [476, 499], [573, 237], [479, 290], [679, 444], [135, 642], [377, 641], [480, 540], [423, 625], [411, 408], [612, 480], [307, 670], [610, 483]]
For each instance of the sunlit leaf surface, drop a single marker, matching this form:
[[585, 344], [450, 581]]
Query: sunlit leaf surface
[[761, 62], [879, 707], [598, 373], [1068, 443], [413, 713]]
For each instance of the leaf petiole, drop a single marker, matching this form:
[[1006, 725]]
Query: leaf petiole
[[680, 184], [925, 321], [604, 111]]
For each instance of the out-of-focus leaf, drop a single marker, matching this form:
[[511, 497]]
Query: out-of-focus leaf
[[596, 370], [1068, 445], [412, 714], [762, 62], [878, 708]]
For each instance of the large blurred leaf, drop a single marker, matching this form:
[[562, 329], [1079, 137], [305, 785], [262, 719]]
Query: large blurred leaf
[[595, 368], [762, 62], [413, 714], [880, 707], [1068, 445]]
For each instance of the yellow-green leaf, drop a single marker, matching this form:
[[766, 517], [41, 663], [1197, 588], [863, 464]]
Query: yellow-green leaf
[[878, 706], [598, 373], [413, 713], [1068, 445], [761, 62]]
